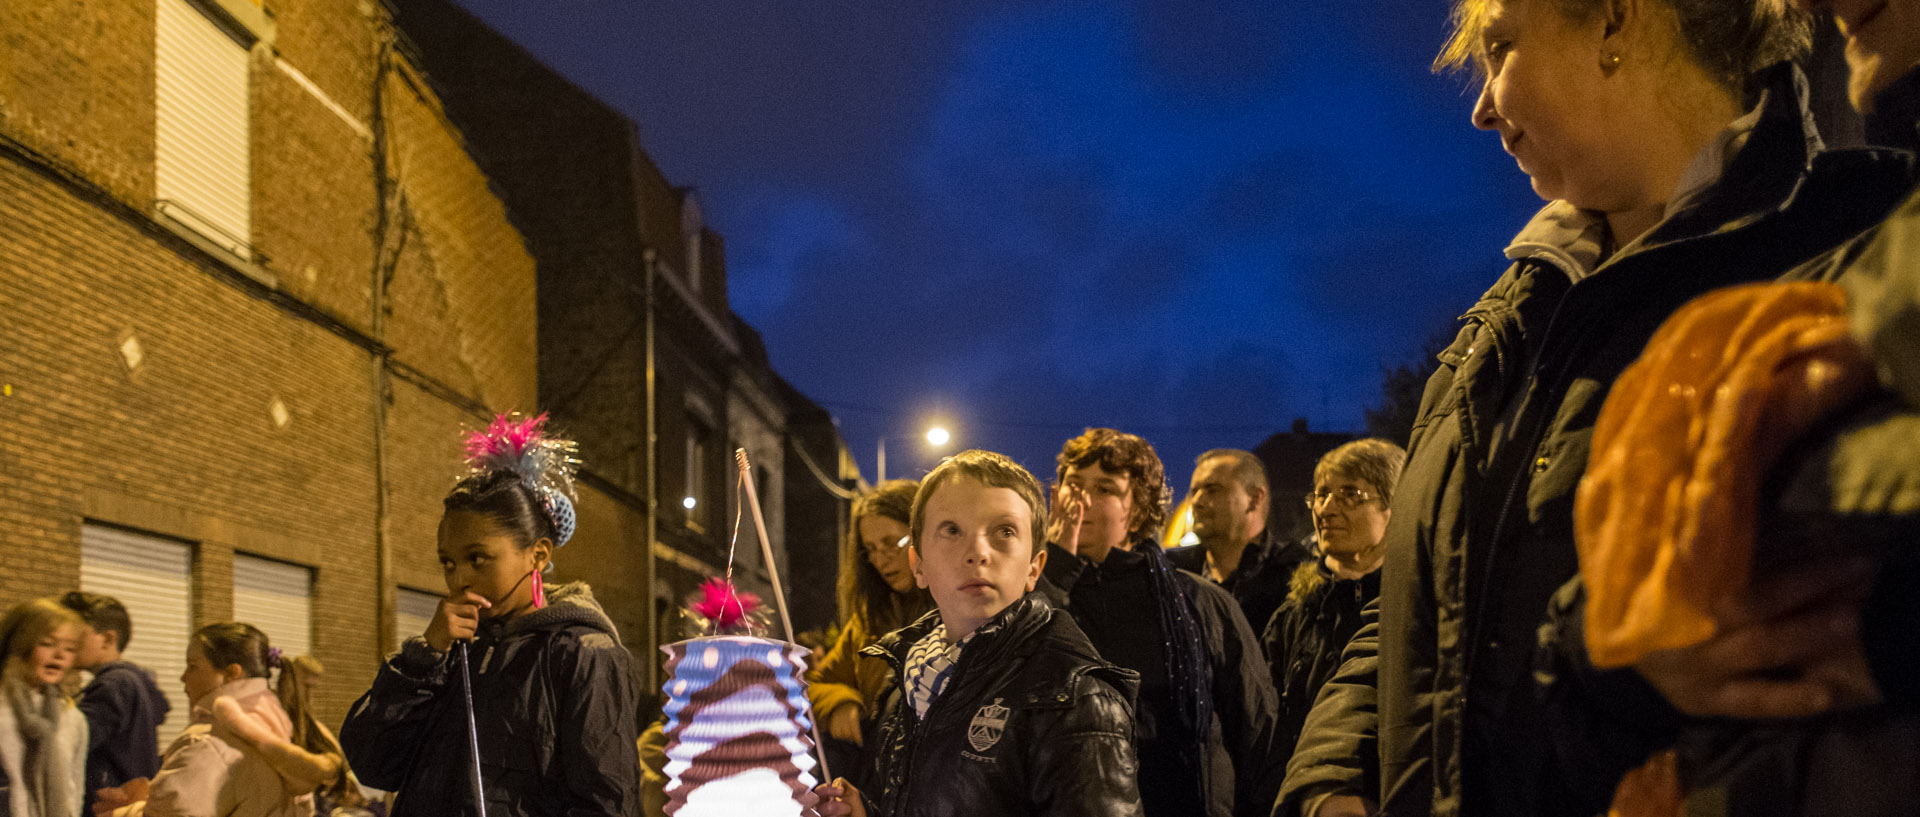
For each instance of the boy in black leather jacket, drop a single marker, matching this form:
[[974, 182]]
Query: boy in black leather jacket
[[1002, 706]]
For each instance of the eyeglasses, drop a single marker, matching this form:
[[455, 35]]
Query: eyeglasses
[[1348, 497]]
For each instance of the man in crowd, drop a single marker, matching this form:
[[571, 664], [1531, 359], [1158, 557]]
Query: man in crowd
[[1230, 502]]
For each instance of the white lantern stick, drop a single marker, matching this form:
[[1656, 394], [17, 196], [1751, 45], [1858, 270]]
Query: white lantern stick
[[779, 595]]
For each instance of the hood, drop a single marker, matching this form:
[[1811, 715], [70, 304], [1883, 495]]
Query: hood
[[1567, 236], [148, 685], [570, 604], [253, 695]]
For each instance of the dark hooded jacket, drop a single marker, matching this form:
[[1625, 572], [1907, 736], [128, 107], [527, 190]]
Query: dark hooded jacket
[[1305, 637], [124, 709], [1032, 722], [1850, 487], [1260, 582], [1435, 709], [1227, 770], [554, 705]]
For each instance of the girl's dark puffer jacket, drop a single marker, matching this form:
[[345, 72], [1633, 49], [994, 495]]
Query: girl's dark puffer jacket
[[554, 704]]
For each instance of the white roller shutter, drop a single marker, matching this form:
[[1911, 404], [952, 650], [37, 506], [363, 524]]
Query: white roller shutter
[[413, 611], [153, 579], [277, 598], [201, 125]]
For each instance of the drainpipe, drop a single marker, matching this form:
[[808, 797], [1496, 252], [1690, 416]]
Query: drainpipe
[[648, 665], [384, 189]]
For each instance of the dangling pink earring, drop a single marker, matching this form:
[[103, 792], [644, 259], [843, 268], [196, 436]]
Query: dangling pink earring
[[539, 590]]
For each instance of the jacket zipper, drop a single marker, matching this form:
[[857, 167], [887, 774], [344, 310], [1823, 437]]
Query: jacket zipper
[[1536, 431], [919, 725]]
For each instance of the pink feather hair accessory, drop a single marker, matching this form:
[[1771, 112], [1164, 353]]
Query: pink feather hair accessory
[[723, 607], [505, 441], [546, 465]]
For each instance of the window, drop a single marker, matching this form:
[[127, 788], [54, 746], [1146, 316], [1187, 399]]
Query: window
[[277, 598], [153, 578], [412, 611], [201, 143], [699, 443]]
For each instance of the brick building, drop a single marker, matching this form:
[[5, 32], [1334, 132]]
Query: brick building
[[252, 287], [255, 280], [635, 328]]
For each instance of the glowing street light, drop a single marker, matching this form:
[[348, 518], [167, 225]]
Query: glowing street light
[[936, 436], [688, 503]]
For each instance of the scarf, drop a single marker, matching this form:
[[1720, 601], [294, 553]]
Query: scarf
[[1186, 647], [930, 663], [44, 772]]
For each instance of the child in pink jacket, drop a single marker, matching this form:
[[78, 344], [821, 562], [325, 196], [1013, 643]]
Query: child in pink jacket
[[209, 771]]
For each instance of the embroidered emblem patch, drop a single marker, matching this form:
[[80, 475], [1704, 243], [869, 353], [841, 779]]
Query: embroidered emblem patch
[[987, 725]]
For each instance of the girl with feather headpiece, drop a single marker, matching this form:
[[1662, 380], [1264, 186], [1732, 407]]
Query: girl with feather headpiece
[[551, 689]]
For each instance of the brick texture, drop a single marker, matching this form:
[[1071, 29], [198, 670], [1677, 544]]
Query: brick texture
[[186, 445]]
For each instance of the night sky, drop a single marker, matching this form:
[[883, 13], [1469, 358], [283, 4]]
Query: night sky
[[1193, 221]]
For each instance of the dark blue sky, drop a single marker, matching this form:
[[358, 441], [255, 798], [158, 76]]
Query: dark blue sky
[[1195, 221]]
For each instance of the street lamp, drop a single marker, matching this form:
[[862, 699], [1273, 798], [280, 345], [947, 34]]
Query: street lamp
[[936, 437]]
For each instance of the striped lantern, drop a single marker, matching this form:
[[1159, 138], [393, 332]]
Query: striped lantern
[[738, 728]]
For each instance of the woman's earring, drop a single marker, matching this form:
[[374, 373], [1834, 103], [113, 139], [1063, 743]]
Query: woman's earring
[[1609, 61], [539, 590]]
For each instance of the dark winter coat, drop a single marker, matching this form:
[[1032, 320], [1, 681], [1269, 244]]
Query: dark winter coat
[[1304, 639], [1259, 582], [124, 709], [1849, 488], [554, 705], [1435, 709], [1227, 773], [1032, 722]]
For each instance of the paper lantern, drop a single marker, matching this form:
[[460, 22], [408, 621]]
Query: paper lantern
[[738, 729]]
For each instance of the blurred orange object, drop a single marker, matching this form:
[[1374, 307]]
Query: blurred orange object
[[1664, 518]]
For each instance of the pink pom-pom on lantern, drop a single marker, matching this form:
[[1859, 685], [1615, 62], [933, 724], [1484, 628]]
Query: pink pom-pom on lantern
[[723, 606]]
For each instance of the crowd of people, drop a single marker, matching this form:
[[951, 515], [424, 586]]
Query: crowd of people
[[1588, 585], [1694, 598]]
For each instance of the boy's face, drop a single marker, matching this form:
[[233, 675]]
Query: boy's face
[[1109, 517], [96, 648], [976, 553]]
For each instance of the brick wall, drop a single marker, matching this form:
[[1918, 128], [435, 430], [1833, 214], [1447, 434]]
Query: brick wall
[[76, 83], [184, 446], [187, 445]]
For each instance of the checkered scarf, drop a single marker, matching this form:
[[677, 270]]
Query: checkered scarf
[[930, 663]]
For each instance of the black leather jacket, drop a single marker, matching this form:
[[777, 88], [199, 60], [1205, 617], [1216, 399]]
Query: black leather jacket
[[1033, 722], [554, 704]]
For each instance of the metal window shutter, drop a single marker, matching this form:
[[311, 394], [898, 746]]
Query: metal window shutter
[[201, 123], [277, 598], [413, 611], [153, 578]]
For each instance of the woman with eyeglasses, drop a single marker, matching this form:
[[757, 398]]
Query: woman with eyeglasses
[[877, 596], [1352, 488]]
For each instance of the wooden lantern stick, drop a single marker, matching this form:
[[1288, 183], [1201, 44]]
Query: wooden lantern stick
[[779, 595]]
